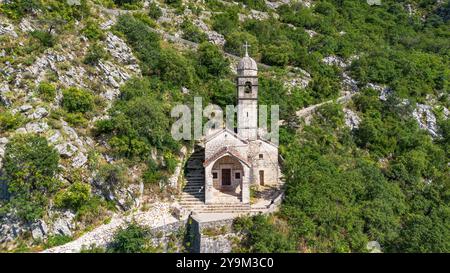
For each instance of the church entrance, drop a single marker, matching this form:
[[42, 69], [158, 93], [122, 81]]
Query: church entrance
[[226, 177]]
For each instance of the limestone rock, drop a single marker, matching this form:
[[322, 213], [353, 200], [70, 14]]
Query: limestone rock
[[25, 25], [4, 89], [351, 119], [25, 108], [66, 150], [39, 230], [426, 119], [39, 113], [7, 29], [79, 160], [64, 224], [37, 127]]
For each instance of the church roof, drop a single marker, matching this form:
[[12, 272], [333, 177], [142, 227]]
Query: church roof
[[226, 130], [247, 63], [222, 151], [247, 66]]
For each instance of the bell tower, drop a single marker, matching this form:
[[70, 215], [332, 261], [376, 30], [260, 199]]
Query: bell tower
[[247, 96]]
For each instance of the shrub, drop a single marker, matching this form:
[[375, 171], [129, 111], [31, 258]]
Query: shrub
[[44, 37], [174, 3], [77, 100], [30, 166], [10, 121], [212, 61], [46, 91], [18, 8], [225, 22], [142, 40], [94, 54], [57, 240], [192, 33], [154, 11], [237, 39], [92, 31], [73, 197], [132, 239]]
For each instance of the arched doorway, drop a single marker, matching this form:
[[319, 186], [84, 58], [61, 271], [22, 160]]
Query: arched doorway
[[227, 173]]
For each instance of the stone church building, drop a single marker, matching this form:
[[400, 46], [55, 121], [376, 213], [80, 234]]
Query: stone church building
[[237, 159]]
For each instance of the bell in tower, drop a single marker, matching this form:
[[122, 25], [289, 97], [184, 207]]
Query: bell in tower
[[247, 96]]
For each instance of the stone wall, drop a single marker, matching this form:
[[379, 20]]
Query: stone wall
[[212, 236]]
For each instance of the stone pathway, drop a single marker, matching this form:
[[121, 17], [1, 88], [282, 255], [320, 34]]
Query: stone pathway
[[158, 215]]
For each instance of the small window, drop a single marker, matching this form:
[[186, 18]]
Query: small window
[[237, 175], [248, 87], [261, 156], [214, 175]]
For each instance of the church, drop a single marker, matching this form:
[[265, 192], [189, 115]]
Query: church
[[237, 159]]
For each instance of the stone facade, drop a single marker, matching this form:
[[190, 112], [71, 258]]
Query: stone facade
[[236, 159]]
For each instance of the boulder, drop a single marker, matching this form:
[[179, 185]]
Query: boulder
[[39, 230], [64, 224], [66, 150], [37, 127], [79, 160]]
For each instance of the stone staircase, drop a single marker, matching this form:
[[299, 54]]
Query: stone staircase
[[194, 173], [193, 194]]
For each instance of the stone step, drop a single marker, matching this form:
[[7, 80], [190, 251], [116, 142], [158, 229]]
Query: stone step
[[186, 194]]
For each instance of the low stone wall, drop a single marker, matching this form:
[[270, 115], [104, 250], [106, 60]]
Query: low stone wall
[[213, 236]]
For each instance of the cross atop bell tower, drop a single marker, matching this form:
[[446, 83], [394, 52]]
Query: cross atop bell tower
[[246, 46], [247, 95]]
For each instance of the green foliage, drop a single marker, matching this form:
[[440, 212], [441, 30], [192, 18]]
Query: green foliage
[[154, 11], [73, 197], [211, 61], [128, 4], [174, 3], [46, 91], [57, 240], [30, 166], [10, 121], [16, 9], [92, 31], [192, 33], [225, 22], [144, 42], [44, 37], [255, 4], [236, 39], [132, 239], [77, 100], [139, 120], [261, 237], [94, 54]]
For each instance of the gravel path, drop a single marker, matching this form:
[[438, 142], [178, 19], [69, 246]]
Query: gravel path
[[158, 215]]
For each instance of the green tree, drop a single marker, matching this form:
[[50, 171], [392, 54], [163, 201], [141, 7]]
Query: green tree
[[30, 166], [212, 61], [77, 100]]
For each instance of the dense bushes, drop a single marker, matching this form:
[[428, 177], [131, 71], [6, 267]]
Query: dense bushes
[[10, 121], [77, 100], [144, 42], [192, 33], [211, 61], [262, 236], [30, 166], [132, 239], [46, 91], [94, 54]]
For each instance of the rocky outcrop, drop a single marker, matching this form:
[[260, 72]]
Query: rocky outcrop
[[351, 119], [426, 119]]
